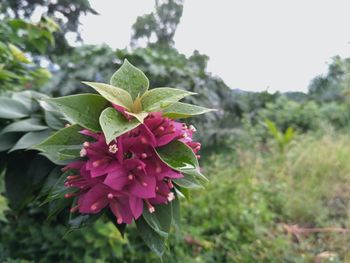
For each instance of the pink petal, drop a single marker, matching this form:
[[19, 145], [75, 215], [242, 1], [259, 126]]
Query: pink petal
[[117, 179], [105, 169], [97, 195], [74, 165], [136, 206], [143, 191], [120, 208]]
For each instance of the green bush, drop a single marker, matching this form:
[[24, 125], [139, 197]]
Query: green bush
[[287, 113], [338, 115]]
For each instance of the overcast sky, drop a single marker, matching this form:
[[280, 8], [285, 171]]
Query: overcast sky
[[252, 45]]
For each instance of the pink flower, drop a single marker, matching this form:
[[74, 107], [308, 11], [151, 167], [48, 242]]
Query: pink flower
[[127, 174], [99, 196]]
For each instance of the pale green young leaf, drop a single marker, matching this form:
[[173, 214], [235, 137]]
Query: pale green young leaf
[[131, 79], [184, 110], [114, 124], [140, 116], [113, 94], [161, 98]]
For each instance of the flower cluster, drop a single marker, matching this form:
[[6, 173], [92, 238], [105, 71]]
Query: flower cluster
[[127, 174]]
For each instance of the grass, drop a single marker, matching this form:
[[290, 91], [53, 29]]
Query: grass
[[253, 197]]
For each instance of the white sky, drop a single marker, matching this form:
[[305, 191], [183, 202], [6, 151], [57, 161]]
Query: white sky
[[252, 44]]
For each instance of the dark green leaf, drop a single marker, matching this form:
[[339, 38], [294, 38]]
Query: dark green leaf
[[131, 79], [29, 98], [30, 139], [175, 211], [27, 125], [154, 221], [80, 220], [83, 109], [56, 207], [182, 192], [154, 241], [64, 144], [8, 140], [188, 181], [180, 157], [114, 124], [24, 174], [164, 215], [54, 120], [26, 98], [54, 186], [51, 181], [12, 109]]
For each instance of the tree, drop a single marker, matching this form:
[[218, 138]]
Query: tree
[[20, 43], [159, 27], [331, 87], [66, 13]]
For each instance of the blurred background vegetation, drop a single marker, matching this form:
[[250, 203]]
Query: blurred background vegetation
[[278, 163]]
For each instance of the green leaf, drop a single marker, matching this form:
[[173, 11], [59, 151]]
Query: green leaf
[[24, 175], [131, 79], [183, 192], [184, 110], [154, 220], [56, 207], [181, 158], [140, 116], [51, 181], [12, 109], [288, 135], [54, 187], [113, 94], [53, 117], [18, 54], [175, 212], [54, 120], [30, 139], [161, 98], [24, 97], [27, 125], [188, 181], [83, 109], [154, 241], [29, 98], [164, 215], [8, 140], [79, 221], [63, 145], [3, 208], [114, 124]]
